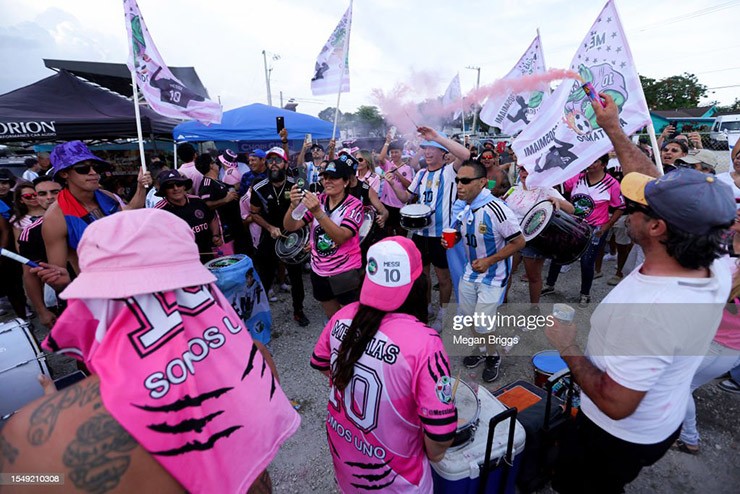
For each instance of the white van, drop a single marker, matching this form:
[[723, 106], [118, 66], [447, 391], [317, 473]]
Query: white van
[[725, 132]]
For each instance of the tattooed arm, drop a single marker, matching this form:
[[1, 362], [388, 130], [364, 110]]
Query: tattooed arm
[[70, 432]]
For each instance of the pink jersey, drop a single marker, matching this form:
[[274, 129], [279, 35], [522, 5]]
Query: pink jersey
[[592, 201], [401, 391], [182, 375], [189, 170], [327, 258], [388, 196]]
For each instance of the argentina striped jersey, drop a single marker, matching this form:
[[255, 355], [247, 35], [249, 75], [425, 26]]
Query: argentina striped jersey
[[485, 232], [437, 190]]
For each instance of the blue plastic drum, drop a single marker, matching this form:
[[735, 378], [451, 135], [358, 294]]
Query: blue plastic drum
[[545, 364]]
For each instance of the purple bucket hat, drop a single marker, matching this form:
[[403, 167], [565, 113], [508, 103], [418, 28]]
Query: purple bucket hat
[[69, 154]]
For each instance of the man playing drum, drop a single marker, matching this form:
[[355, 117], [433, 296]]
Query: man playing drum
[[435, 187], [490, 234], [270, 201]]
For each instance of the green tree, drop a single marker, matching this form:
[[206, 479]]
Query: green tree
[[328, 114], [368, 121], [670, 93]]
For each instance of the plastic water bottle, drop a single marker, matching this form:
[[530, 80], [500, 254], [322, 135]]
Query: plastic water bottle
[[595, 238], [563, 313], [298, 212]]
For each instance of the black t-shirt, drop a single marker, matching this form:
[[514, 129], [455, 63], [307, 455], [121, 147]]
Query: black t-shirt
[[31, 242], [229, 214], [362, 192], [272, 201], [198, 216]]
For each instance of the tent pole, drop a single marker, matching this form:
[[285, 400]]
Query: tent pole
[[138, 121], [174, 155]]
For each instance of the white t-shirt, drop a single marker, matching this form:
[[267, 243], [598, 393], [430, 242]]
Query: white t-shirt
[[727, 178], [650, 334], [521, 201]]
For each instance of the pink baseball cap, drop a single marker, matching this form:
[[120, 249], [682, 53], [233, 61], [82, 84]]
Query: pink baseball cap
[[135, 252], [393, 264], [277, 151]]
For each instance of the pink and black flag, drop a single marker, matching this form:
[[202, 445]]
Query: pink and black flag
[[164, 93]]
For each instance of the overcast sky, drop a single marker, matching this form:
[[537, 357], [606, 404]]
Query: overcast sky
[[392, 41]]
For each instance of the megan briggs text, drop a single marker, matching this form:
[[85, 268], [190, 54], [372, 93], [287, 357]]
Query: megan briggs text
[[490, 339]]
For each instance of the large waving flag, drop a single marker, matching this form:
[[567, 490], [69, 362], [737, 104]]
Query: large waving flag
[[453, 95], [164, 93], [331, 74], [514, 111], [565, 138]]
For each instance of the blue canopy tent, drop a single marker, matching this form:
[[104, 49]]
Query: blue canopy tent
[[254, 123]]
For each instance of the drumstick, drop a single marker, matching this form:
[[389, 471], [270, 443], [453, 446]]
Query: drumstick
[[457, 381], [412, 120], [17, 258]]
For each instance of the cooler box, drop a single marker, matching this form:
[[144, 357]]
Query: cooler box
[[460, 470]]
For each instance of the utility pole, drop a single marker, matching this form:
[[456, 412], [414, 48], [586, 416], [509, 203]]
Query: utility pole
[[477, 86], [267, 79]]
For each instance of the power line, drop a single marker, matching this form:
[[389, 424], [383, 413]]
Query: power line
[[691, 15]]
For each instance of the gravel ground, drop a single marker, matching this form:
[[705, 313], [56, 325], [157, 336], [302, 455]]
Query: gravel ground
[[304, 462]]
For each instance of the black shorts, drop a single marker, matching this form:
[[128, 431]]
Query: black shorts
[[394, 217], [323, 292], [431, 251]]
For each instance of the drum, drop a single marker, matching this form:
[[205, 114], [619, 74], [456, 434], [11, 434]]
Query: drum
[[291, 247], [416, 217], [468, 413], [230, 271], [21, 361], [556, 234], [368, 225], [545, 364]]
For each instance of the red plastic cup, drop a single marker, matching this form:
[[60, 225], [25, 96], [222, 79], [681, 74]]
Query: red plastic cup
[[450, 236]]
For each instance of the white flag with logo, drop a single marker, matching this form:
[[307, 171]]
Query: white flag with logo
[[453, 96], [164, 93], [565, 138], [331, 73], [514, 111]]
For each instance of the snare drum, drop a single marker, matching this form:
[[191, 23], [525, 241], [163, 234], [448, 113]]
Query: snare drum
[[368, 225], [545, 364], [415, 217], [21, 361], [468, 413], [556, 234], [291, 248]]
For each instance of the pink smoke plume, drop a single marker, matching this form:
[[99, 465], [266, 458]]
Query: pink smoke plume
[[400, 110]]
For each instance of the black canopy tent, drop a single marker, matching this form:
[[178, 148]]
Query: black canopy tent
[[64, 107]]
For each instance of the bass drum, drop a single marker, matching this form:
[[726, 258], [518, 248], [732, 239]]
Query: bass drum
[[368, 225], [291, 247], [558, 235]]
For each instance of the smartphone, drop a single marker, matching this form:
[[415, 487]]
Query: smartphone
[[280, 123], [393, 132], [675, 132], [309, 139]]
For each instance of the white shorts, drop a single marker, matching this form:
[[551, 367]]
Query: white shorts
[[620, 231], [477, 298]]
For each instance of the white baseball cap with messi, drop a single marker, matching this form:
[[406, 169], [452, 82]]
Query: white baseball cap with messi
[[393, 265]]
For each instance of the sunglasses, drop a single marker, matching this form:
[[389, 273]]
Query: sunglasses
[[360, 160], [631, 207], [173, 185], [271, 161], [466, 180], [29, 196], [85, 169], [45, 193]]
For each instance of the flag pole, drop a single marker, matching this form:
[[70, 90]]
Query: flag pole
[[542, 52], [336, 110], [344, 68], [656, 150], [138, 121]]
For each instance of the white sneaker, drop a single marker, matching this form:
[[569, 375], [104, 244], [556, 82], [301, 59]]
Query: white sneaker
[[610, 257], [285, 288], [271, 296], [565, 268]]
